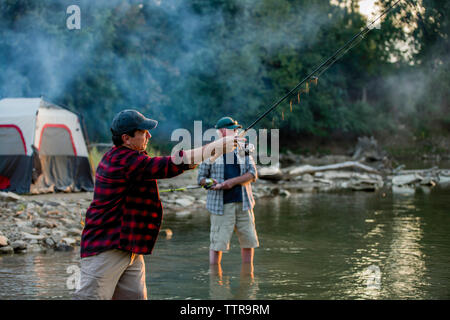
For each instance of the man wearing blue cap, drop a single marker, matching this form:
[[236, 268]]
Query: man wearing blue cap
[[230, 201], [123, 220]]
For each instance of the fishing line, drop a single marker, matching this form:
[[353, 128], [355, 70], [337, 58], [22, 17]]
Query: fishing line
[[314, 75]]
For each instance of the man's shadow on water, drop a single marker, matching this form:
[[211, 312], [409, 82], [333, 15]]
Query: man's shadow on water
[[220, 284]]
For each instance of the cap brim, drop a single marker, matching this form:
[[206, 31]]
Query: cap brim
[[234, 126], [148, 124]]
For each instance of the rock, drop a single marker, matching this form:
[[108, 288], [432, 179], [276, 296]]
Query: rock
[[58, 234], [68, 222], [69, 241], [41, 223], [403, 190], [6, 250], [53, 203], [3, 241], [19, 245], [406, 179], [10, 196], [38, 202], [270, 173], [27, 229], [284, 193], [184, 202], [74, 232], [307, 178], [22, 224], [275, 191], [28, 236], [50, 242], [13, 236], [444, 179], [428, 181], [46, 231], [183, 213], [63, 247], [367, 149]]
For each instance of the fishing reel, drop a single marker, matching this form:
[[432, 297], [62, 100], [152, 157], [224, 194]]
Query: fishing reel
[[209, 182], [245, 149]]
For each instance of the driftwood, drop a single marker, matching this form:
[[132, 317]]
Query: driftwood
[[418, 171], [344, 165], [270, 173], [428, 177], [401, 180]]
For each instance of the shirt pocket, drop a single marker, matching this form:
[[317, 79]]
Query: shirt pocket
[[217, 172]]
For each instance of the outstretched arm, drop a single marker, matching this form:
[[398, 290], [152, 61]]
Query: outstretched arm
[[216, 148], [230, 183]]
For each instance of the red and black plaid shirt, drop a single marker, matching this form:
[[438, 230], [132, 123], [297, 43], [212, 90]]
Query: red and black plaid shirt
[[126, 212]]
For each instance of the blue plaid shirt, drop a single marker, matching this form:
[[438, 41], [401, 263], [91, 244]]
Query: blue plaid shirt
[[214, 199]]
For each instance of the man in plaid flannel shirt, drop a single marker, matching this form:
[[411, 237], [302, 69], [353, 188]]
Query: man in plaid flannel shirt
[[230, 201], [123, 220]]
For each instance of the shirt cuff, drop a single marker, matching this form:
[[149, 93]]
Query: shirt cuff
[[180, 159]]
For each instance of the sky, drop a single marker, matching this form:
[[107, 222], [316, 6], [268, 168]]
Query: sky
[[367, 7]]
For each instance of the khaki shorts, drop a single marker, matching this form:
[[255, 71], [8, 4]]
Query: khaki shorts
[[234, 218], [113, 274]]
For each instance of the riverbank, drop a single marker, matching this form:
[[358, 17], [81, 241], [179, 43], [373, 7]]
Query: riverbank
[[39, 223]]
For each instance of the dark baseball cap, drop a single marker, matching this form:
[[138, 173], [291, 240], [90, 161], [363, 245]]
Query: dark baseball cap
[[228, 123], [129, 120]]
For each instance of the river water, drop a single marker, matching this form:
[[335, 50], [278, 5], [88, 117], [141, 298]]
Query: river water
[[312, 246]]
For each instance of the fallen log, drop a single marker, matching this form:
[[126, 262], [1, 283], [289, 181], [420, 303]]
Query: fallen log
[[270, 173], [418, 171], [405, 179], [344, 165]]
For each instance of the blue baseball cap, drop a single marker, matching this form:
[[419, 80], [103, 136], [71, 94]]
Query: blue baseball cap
[[129, 120]]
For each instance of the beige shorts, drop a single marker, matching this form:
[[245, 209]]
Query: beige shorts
[[234, 218], [113, 274]]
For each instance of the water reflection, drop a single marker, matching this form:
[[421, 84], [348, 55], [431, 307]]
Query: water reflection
[[313, 246], [405, 263], [394, 248], [220, 285]]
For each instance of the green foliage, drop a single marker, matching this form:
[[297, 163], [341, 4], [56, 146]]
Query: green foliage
[[180, 61]]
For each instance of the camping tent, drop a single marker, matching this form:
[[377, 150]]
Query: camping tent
[[42, 148]]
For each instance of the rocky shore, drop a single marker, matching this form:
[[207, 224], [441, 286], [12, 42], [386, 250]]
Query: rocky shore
[[31, 225], [38, 223]]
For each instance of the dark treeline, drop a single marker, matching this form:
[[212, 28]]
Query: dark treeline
[[180, 61]]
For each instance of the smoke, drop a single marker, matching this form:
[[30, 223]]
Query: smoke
[[154, 55]]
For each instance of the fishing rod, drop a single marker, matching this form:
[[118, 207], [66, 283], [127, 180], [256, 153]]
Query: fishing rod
[[314, 75], [318, 71], [208, 184], [181, 189]]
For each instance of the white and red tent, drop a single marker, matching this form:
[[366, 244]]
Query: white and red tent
[[42, 148]]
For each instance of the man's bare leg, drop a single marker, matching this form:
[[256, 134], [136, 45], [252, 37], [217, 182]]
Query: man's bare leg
[[247, 255], [215, 257]]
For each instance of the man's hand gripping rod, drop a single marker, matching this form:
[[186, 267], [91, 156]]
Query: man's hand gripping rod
[[240, 136]]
